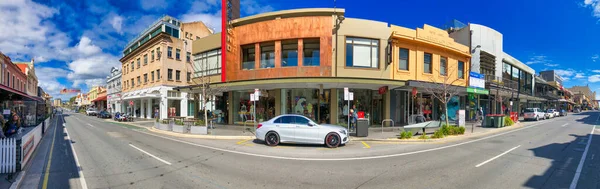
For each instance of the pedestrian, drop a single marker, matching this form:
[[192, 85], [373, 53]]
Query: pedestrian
[[479, 114]]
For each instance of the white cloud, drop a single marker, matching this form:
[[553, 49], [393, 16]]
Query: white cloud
[[204, 11], [251, 7], [212, 21], [26, 33], [579, 76], [565, 73], [116, 22], [594, 78], [541, 59], [596, 71], [86, 47], [154, 5], [595, 5]]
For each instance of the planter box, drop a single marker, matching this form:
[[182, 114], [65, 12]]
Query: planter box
[[180, 128], [201, 130], [164, 127]]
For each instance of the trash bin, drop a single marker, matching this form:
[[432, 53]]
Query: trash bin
[[362, 127]]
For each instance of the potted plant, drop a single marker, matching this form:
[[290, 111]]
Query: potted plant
[[199, 127], [179, 127], [164, 125]]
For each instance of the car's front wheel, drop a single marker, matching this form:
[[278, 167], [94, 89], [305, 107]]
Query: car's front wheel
[[332, 140], [272, 139]]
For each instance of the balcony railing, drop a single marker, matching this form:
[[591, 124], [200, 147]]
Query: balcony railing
[[501, 82]]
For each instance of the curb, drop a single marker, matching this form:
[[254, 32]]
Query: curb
[[218, 137], [442, 140], [201, 136]]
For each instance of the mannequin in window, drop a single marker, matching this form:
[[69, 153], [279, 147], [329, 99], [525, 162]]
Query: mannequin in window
[[243, 112]]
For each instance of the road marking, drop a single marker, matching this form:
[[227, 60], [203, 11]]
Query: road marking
[[564, 124], [91, 125], [582, 161], [47, 172], [157, 158], [80, 171], [365, 144], [243, 141], [483, 163]]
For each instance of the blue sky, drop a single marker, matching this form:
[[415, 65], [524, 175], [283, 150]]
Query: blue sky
[[75, 42], [560, 35]]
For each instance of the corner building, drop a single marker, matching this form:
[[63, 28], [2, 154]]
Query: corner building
[[301, 60], [154, 63]]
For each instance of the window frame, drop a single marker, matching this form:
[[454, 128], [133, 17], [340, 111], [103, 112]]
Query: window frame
[[460, 70], [177, 75], [304, 50], [430, 71], [177, 54], [152, 76], [170, 52], [247, 47], [283, 52], [445, 66], [400, 59], [371, 53], [145, 59], [145, 78], [170, 74], [268, 58]]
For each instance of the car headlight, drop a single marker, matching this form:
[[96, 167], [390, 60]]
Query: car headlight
[[343, 131]]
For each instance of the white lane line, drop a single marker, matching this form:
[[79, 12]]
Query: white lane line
[[483, 163], [342, 159], [91, 125], [564, 124], [80, 171], [582, 161], [157, 158]]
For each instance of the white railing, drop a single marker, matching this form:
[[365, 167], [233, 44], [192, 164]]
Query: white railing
[[8, 155]]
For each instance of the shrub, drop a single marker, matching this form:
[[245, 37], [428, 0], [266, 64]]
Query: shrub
[[406, 135], [444, 129], [199, 123], [438, 134], [451, 130], [423, 136], [508, 121], [461, 130], [165, 121], [178, 122]]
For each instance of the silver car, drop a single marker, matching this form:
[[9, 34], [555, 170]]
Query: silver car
[[290, 128]]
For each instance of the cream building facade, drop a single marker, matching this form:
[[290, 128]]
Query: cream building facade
[[154, 63]]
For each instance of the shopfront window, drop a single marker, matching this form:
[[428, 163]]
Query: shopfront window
[[245, 110], [267, 55], [367, 102], [311, 52], [307, 102], [289, 53]]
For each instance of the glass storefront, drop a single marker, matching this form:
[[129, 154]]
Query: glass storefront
[[244, 109], [308, 102], [367, 102]]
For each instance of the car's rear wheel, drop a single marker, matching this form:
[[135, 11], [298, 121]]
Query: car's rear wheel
[[332, 140], [272, 139], [537, 118]]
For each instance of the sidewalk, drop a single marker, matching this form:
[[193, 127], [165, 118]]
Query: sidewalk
[[389, 134]]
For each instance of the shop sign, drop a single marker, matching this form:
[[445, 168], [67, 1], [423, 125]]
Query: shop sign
[[476, 80], [477, 91], [383, 89]]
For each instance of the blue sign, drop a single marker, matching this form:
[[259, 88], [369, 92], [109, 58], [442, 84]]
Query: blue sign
[[476, 75]]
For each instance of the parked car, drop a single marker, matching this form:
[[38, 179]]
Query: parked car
[[549, 113], [563, 112], [556, 112], [290, 128], [534, 114], [103, 114], [91, 112]]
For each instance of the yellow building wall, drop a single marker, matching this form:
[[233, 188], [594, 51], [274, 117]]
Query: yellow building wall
[[428, 40]]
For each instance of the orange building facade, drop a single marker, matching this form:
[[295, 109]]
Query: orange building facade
[[301, 60]]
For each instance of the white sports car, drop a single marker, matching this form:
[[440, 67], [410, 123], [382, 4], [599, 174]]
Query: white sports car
[[291, 128]]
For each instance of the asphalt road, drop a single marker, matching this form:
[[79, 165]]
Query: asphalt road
[[546, 154]]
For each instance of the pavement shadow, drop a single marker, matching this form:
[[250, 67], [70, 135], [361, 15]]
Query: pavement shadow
[[565, 158], [63, 167], [260, 142], [590, 117]]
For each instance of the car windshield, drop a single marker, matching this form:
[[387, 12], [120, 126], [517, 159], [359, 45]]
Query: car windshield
[[550, 111], [529, 110]]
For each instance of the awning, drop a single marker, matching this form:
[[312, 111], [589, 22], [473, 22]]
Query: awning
[[100, 98], [20, 95]]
